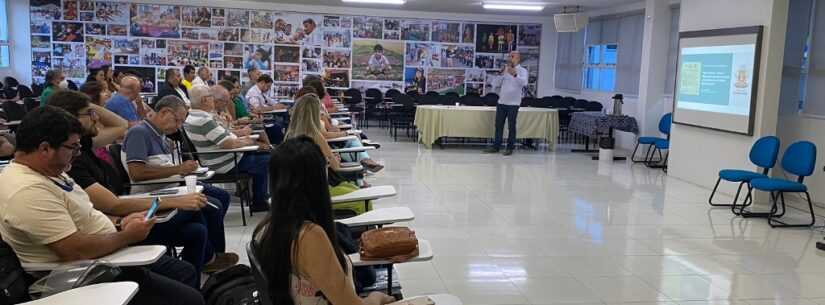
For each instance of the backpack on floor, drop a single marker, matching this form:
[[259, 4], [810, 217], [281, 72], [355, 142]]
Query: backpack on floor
[[233, 286], [14, 281]]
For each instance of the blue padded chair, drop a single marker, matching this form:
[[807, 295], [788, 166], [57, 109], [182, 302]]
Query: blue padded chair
[[763, 154], [664, 128], [799, 160], [658, 147]]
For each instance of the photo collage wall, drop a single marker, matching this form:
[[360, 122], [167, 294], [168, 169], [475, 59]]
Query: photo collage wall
[[350, 51]]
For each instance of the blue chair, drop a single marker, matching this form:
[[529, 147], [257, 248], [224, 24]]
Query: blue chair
[[658, 146], [799, 160], [763, 154], [664, 128]]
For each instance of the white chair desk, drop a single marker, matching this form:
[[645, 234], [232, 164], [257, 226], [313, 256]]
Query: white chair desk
[[126, 257], [117, 293]]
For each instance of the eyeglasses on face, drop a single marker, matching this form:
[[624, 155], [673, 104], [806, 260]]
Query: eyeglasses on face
[[74, 148]]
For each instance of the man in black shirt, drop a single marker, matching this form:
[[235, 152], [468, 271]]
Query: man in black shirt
[[103, 183]]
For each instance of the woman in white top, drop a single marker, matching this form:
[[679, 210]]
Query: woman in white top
[[296, 243]]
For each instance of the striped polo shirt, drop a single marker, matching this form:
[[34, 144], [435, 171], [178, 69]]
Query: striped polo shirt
[[206, 134]]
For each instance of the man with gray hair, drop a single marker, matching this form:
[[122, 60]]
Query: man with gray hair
[[204, 77], [148, 154], [206, 133], [127, 102]]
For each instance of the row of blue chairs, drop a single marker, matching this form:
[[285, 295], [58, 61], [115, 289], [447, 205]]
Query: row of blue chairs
[[799, 160]]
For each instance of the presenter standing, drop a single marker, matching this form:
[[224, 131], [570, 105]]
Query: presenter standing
[[511, 82]]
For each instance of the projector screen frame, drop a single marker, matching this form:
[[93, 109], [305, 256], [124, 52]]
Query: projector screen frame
[[757, 58]]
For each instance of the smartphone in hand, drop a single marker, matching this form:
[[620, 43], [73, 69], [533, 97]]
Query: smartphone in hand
[[152, 209]]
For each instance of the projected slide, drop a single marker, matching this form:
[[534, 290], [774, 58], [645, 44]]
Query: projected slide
[[716, 78]]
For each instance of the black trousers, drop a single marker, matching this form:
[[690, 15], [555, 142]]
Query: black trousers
[[509, 113], [168, 281]]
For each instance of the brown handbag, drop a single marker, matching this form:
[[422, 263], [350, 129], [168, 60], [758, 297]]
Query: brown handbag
[[396, 244]]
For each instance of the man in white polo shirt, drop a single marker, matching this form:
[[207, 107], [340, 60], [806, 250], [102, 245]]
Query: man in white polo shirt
[[511, 83]]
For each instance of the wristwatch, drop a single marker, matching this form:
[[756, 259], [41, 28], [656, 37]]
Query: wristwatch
[[118, 222]]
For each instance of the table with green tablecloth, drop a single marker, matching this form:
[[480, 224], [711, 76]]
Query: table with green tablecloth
[[434, 122]]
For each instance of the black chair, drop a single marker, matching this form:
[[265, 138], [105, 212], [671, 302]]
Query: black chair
[[471, 100], [402, 117], [427, 99], [594, 106], [392, 93], [565, 102], [30, 103], [72, 85], [258, 273], [354, 102], [446, 100], [117, 164], [14, 111], [453, 95], [413, 94], [24, 91], [491, 99], [529, 102], [373, 97], [580, 104], [557, 97], [432, 93], [10, 82], [37, 89]]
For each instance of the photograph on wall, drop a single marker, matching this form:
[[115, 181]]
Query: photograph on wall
[[474, 88], [86, 5], [310, 52], [224, 73], [121, 59], [112, 12], [181, 53], [363, 85], [420, 54], [417, 30], [286, 73], [87, 16], [233, 62], [237, 18], [468, 33], [145, 74], [216, 51], [117, 30], [41, 63], [189, 33], [233, 49], [98, 52], [378, 60], [337, 59], [228, 34], [392, 29], [457, 56], [474, 75], [256, 35], [45, 10], [530, 61], [336, 78], [415, 79], [489, 61], [95, 29], [529, 35], [490, 79], [445, 80], [161, 21], [41, 27], [332, 21], [346, 22], [134, 59], [207, 34], [367, 27], [147, 43], [41, 42], [495, 38], [309, 65], [258, 56], [291, 28], [285, 91], [72, 66], [67, 32], [290, 54], [160, 43], [260, 19], [196, 16], [215, 63], [60, 49], [125, 46], [218, 17], [69, 10], [449, 32], [153, 56], [337, 38]]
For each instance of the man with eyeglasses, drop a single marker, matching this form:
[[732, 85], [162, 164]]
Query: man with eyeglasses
[[148, 154], [45, 217], [103, 183]]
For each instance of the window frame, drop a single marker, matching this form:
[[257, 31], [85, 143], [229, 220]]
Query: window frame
[[598, 67], [5, 42]]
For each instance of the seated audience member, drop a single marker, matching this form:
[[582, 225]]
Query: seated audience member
[[55, 79], [95, 91], [254, 74], [103, 184], [188, 76], [173, 86], [258, 99], [6, 146], [127, 102], [207, 134], [46, 218], [204, 77], [147, 154], [224, 107], [241, 113], [318, 84], [306, 121], [296, 243]]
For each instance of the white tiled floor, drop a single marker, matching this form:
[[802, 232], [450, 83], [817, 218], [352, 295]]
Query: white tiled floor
[[556, 228]]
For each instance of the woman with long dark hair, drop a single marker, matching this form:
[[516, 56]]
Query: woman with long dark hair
[[296, 243]]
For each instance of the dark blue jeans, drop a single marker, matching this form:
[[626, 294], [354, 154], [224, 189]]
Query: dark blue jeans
[[509, 113], [185, 230], [167, 281], [213, 218], [257, 166]]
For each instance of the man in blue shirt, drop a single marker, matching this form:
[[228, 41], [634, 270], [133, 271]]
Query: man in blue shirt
[[126, 102]]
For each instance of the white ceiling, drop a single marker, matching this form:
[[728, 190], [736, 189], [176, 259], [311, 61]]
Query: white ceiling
[[467, 6]]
